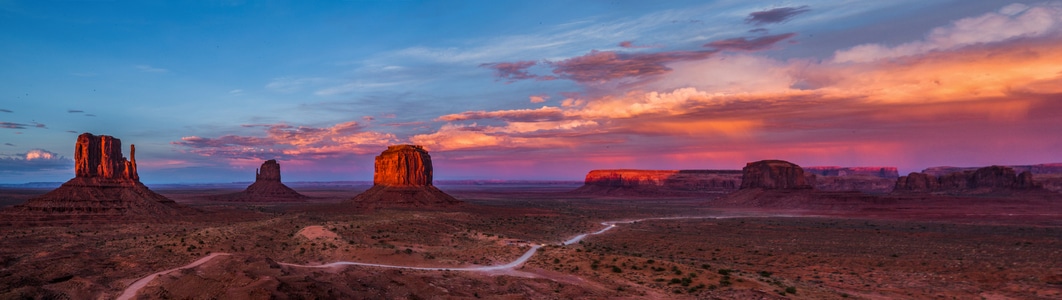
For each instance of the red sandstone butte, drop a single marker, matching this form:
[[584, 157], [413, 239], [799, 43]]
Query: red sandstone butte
[[266, 187], [773, 174], [656, 182], [105, 187], [403, 178]]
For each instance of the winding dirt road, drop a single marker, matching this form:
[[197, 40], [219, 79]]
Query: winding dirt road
[[131, 291]]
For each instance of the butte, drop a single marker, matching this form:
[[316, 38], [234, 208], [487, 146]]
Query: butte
[[403, 178], [266, 187], [778, 184], [105, 187]]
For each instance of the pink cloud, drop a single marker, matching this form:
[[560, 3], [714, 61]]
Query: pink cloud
[[512, 70], [291, 142]]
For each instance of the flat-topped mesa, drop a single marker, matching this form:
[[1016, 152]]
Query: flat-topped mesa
[[403, 165], [983, 180], [881, 172], [101, 157], [626, 181], [270, 171], [403, 178], [773, 175]]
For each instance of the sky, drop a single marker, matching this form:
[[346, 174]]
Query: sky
[[527, 90]]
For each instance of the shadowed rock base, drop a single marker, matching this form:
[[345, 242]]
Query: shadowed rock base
[[390, 196], [94, 200]]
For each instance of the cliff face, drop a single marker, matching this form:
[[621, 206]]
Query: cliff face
[[660, 181], [402, 166], [983, 180], [403, 178], [773, 174], [101, 157], [105, 187], [270, 171]]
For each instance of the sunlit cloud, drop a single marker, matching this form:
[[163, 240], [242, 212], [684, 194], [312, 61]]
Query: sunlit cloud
[[34, 160], [291, 142], [1010, 22]]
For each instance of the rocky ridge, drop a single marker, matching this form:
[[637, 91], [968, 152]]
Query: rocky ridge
[[992, 179]]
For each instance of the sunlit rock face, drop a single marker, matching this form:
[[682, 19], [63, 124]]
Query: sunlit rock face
[[101, 157], [266, 187], [105, 187], [403, 165], [403, 178], [773, 175], [983, 180]]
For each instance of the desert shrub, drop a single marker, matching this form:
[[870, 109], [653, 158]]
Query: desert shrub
[[616, 269], [724, 272], [765, 274], [791, 290]]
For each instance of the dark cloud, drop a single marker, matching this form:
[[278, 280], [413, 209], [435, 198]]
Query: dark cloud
[[776, 15], [603, 66], [9, 144], [39, 125], [517, 115], [5, 110], [90, 115], [224, 141], [512, 70], [10, 125], [74, 111], [745, 44], [34, 160], [71, 131], [758, 30]]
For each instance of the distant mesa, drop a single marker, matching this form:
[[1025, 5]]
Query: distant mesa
[[403, 178], [986, 180], [1038, 169], [266, 187], [625, 182], [773, 175], [880, 172], [778, 184], [875, 180], [106, 187]]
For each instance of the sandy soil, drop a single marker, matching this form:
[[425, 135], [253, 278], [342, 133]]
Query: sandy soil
[[1005, 249]]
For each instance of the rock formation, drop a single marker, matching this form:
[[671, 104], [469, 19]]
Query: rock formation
[[266, 187], [1038, 169], [875, 180], [880, 172], [657, 182], [106, 187], [403, 178], [984, 180], [772, 175]]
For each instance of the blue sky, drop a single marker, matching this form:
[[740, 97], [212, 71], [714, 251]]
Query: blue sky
[[523, 90]]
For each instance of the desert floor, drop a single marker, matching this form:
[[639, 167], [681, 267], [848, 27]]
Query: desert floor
[[1000, 251]]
